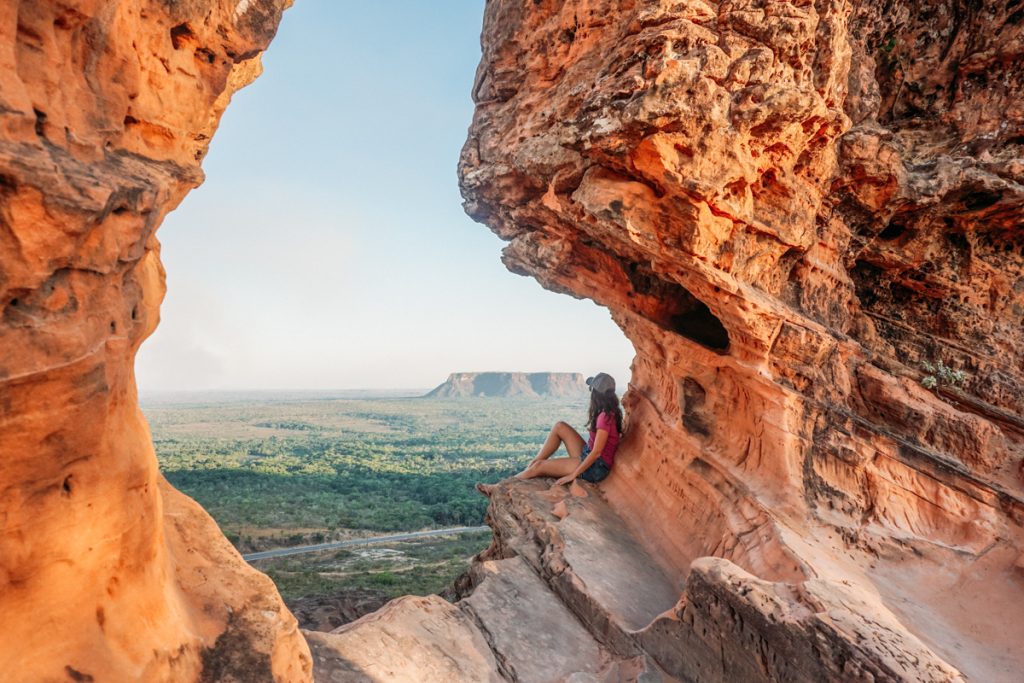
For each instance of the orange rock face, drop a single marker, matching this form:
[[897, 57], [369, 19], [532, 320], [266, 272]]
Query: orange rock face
[[106, 572], [790, 208]]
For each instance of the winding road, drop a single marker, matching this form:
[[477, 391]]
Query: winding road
[[298, 550]]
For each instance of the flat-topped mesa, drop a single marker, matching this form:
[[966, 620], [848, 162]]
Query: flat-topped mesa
[[106, 572], [793, 211], [512, 384]]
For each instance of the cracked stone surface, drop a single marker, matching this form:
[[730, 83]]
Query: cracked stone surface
[[535, 636]]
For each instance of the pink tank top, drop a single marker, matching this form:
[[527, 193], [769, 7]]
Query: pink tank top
[[606, 421]]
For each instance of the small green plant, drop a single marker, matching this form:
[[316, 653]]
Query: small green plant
[[383, 579], [941, 374]]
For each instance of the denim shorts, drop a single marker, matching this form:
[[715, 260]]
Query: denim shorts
[[597, 471]]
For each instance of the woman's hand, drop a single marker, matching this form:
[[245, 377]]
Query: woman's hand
[[567, 479]]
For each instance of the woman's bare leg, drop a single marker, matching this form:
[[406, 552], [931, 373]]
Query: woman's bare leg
[[555, 467], [560, 433]]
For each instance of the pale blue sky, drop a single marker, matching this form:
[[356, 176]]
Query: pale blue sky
[[328, 248]]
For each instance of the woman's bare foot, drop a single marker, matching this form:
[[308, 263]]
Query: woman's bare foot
[[529, 472]]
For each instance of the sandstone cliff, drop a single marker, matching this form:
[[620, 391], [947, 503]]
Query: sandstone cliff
[[512, 384], [107, 573], [808, 219], [790, 209]]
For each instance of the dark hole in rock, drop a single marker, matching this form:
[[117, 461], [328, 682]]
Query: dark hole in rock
[[120, 210], [867, 281], [135, 313], [206, 55], [673, 308], [901, 294], [180, 34], [701, 325], [958, 240], [113, 326], [981, 200], [893, 230], [977, 79], [692, 396], [76, 675], [40, 122], [66, 486], [15, 302]]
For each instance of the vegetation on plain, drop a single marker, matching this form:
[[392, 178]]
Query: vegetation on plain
[[276, 473]]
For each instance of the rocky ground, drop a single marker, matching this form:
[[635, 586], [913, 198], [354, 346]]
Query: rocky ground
[[328, 612], [566, 593]]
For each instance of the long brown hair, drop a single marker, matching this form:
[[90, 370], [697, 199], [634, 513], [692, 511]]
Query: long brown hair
[[604, 402]]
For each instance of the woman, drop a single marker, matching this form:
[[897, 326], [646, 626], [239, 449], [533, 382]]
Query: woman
[[591, 460]]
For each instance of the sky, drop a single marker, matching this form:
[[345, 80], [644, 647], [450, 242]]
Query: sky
[[328, 248]]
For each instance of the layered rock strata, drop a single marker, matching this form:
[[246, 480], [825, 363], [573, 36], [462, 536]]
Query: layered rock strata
[[567, 593], [550, 601], [106, 572], [795, 211]]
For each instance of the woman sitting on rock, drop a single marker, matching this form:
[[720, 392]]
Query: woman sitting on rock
[[591, 460]]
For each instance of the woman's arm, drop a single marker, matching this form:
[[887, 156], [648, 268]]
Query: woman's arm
[[599, 441]]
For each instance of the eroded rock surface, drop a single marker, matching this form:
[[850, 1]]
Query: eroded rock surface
[[409, 639], [789, 208], [557, 597], [566, 593], [106, 572]]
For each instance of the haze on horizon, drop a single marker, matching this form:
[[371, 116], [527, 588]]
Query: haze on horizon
[[328, 248]]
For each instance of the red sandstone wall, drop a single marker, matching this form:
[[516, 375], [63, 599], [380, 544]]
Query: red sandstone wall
[[106, 573], [838, 185]]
